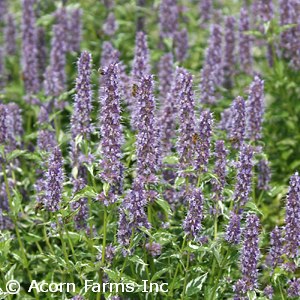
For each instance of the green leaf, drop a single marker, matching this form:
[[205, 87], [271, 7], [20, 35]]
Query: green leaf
[[14, 154], [164, 205], [195, 285]]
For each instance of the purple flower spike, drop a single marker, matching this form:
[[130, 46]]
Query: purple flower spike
[[54, 181], [14, 125], [202, 147], [169, 113], [124, 227], [233, 231], [168, 18], [207, 85], [55, 76], [75, 24], [110, 26], [269, 292], [141, 61], [111, 131], [294, 288], [29, 51], [147, 142], [250, 254], [192, 223], [264, 175], [292, 218], [185, 143], [154, 249], [274, 257], [244, 176], [2, 70], [81, 119], [135, 203], [220, 170], [109, 55], [206, 11], [237, 128], [10, 35], [229, 51], [165, 75], [266, 10], [245, 44], [46, 136], [42, 52], [181, 44], [3, 125], [255, 109]]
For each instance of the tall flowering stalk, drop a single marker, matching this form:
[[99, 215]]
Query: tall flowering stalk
[[140, 68], [229, 51], [274, 257], [203, 142], [192, 223], [220, 170], [237, 127], [81, 126], [168, 18], [245, 44], [147, 142], [111, 134], [29, 51], [169, 113], [255, 109], [10, 35], [181, 44], [233, 230], [206, 11], [185, 144], [55, 76], [42, 52], [81, 117], [165, 76], [212, 71], [2, 69], [264, 175], [75, 28], [292, 218], [244, 175], [250, 255], [110, 25], [54, 181]]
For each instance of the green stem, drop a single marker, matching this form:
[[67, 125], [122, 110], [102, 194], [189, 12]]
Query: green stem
[[186, 275]]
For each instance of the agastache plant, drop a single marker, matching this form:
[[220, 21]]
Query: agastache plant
[[187, 123], [110, 26], [81, 117], [229, 51], [264, 175], [250, 255], [244, 176], [147, 142], [111, 134], [276, 251], [237, 127], [29, 51], [192, 223], [245, 43], [220, 170], [206, 11], [54, 181], [202, 140], [74, 29], [255, 109], [168, 18], [292, 218], [181, 44], [10, 35], [42, 52], [233, 230]]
